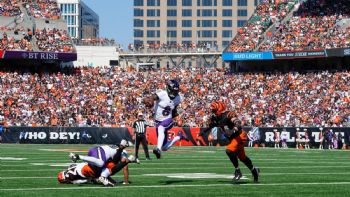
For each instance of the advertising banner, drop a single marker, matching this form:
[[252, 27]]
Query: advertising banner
[[227, 56], [299, 54], [95, 135], [65, 135], [340, 52], [67, 57]]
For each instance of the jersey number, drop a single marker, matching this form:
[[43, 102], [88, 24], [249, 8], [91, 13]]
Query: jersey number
[[166, 111]]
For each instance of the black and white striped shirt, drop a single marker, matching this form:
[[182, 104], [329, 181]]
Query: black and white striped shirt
[[140, 127]]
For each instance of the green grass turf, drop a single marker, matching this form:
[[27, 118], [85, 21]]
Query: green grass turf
[[283, 173]]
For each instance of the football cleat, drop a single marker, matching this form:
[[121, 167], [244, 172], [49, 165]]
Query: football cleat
[[137, 161], [238, 175], [74, 157], [255, 173], [182, 136], [132, 158], [105, 181], [148, 158], [156, 151]]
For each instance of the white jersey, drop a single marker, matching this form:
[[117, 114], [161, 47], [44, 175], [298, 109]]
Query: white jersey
[[164, 106], [109, 151]]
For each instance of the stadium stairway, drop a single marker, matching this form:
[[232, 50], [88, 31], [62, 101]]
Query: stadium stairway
[[274, 26]]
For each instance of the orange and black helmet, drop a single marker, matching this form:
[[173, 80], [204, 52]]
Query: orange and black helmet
[[218, 107]]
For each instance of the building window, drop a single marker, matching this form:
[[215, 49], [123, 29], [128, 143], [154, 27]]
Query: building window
[[138, 33], [138, 12], [225, 44], [151, 23], [186, 12], [151, 33], [207, 3], [207, 34], [186, 23], [242, 13], [227, 23], [187, 33], [207, 12], [257, 2], [172, 2], [138, 2], [226, 33], [186, 2], [207, 23], [151, 12], [171, 34], [242, 3], [198, 23], [138, 23], [241, 23], [153, 3], [226, 12], [198, 12], [227, 2], [171, 23], [171, 13]]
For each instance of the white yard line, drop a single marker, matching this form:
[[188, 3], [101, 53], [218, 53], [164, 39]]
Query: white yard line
[[194, 168], [148, 175], [176, 186]]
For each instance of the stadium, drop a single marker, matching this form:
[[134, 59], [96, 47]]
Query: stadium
[[265, 114]]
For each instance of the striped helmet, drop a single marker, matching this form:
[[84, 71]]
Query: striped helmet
[[218, 107]]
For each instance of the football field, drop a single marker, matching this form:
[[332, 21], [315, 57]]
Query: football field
[[31, 170]]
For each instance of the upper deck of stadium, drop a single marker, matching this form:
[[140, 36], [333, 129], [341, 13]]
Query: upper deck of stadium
[[33, 26], [292, 25]]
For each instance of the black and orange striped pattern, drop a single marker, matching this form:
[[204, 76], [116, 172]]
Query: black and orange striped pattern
[[218, 107]]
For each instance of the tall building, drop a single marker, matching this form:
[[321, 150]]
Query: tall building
[[82, 21], [190, 21]]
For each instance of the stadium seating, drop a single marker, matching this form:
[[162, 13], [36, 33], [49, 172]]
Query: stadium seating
[[50, 34], [314, 26], [103, 97], [16, 42], [9, 8], [54, 40], [47, 9], [250, 35]]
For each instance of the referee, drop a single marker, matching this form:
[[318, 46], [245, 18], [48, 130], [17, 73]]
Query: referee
[[140, 135]]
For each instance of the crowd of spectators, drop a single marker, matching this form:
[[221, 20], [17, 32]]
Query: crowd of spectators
[[111, 97], [9, 8], [94, 42], [250, 35], [54, 40], [173, 47], [313, 27], [47, 9], [10, 43]]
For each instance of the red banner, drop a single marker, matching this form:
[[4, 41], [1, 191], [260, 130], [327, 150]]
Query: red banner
[[190, 133]]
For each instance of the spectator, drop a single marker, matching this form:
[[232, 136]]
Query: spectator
[[110, 96]]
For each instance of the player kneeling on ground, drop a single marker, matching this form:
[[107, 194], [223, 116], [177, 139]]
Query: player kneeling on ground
[[232, 128], [104, 161]]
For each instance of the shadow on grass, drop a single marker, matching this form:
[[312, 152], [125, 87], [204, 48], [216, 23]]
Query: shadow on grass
[[241, 182], [169, 182]]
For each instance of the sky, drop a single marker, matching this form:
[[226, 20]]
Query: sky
[[116, 19]]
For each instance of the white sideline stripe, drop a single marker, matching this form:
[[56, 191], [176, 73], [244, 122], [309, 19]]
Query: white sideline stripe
[[194, 168], [178, 186], [144, 175]]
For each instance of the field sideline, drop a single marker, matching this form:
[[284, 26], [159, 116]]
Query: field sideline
[[184, 171]]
